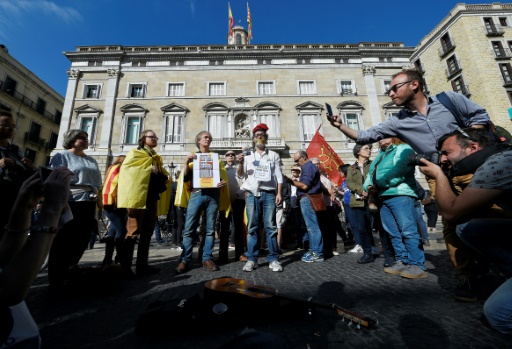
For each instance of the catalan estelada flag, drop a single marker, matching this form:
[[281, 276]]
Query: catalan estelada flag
[[110, 187], [231, 20], [249, 22], [329, 160]]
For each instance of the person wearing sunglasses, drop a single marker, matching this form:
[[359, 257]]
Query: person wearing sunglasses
[[424, 118], [482, 210], [143, 189]]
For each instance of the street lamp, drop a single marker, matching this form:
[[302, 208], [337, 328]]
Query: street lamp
[[172, 166]]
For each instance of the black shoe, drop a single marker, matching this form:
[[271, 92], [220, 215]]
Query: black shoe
[[366, 258], [146, 270], [465, 290], [349, 242], [388, 261]]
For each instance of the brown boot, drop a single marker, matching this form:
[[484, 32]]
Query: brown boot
[[210, 265], [182, 268]]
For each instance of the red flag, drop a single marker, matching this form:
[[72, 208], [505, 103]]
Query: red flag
[[231, 20], [329, 160]]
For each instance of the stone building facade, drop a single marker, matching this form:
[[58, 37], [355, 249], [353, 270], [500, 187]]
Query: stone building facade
[[114, 92], [469, 51], [36, 107]]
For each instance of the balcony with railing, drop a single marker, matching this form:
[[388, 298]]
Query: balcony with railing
[[502, 54], [36, 140], [224, 144], [453, 69], [494, 30], [29, 103], [446, 47]]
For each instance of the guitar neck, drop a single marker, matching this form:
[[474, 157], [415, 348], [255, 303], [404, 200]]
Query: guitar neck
[[345, 313]]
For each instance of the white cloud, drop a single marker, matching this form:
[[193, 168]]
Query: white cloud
[[192, 4], [50, 8]]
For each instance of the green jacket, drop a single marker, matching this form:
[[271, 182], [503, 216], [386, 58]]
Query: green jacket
[[394, 177], [355, 180]]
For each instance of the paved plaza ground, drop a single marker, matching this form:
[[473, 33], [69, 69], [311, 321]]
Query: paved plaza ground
[[410, 313]]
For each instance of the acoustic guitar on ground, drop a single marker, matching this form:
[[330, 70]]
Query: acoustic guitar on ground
[[242, 287]]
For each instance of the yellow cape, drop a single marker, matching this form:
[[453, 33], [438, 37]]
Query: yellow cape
[[183, 190], [134, 181]]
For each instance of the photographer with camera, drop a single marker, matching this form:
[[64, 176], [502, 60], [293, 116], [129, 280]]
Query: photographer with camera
[[14, 167], [483, 209]]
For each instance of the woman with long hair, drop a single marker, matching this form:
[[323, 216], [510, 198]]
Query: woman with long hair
[[116, 216], [142, 179]]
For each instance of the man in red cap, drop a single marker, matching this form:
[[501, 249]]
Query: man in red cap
[[261, 169]]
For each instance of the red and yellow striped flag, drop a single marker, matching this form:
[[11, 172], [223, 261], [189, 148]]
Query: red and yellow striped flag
[[231, 20], [249, 22]]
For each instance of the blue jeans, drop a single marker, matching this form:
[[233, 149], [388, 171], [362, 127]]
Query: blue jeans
[[349, 217], [117, 219], [205, 200], [399, 219], [362, 220], [422, 226], [498, 308], [257, 208], [157, 232], [491, 238], [316, 243]]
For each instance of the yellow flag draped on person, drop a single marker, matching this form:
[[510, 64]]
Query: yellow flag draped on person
[[183, 190], [134, 180]]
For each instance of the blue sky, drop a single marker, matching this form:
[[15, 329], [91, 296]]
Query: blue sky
[[36, 32]]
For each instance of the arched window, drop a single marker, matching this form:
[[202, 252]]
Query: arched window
[[310, 119], [238, 39], [351, 113]]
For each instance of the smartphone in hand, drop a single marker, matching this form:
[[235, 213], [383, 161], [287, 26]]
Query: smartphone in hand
[[44, 172], [329, 112]]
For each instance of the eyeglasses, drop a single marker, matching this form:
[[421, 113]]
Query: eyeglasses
[[152, 137], [458, 131], [259, 134], [230, 154], [12, 127], [395, 87]]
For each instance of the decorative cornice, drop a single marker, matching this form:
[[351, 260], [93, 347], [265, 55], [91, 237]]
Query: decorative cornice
[[113, 73], [368, 70], [73, 73]]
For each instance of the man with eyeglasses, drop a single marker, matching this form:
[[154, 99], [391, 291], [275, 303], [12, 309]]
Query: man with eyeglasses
[[424, 118], [14, 167], [483, 208], [261, 170], [421, 123], [237, 198]]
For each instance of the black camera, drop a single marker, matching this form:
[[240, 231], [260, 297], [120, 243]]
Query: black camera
[[433, 156]]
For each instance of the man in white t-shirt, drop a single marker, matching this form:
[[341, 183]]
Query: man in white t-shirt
[[261, 170]]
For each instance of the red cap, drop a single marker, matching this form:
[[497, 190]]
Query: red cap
[[262, 127]]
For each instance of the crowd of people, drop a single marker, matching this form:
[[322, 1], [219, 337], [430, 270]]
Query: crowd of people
[[252, 202]]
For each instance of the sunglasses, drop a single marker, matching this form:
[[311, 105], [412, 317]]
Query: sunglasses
[[230, 154], [395, 87]]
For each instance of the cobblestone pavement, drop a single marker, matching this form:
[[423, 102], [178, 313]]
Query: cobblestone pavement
[[411, 313]]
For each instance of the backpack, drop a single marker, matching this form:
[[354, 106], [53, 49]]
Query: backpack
[[498, 133]]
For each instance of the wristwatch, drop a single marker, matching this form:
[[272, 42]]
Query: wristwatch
[[43, 229]]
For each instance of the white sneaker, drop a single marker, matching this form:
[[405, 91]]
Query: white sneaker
[[275, 266], [335, 253], [356, 249], [250, 266]]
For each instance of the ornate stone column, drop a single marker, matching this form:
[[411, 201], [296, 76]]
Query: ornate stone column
[[110, 106], [373, 102]]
